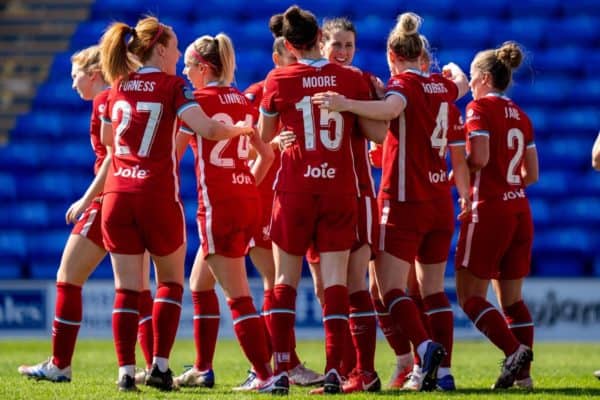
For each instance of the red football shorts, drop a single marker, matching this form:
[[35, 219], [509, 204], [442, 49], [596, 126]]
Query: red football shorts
[[226, 227], [89, 224], [419, 231], [262, 238], [132, 223], [326, 220], [367, 229], [498, 246]]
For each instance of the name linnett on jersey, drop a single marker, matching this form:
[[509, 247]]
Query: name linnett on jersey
[[319, 81], [232, 98], [137, 85]]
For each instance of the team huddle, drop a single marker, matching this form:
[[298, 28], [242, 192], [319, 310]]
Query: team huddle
[[284, 172]]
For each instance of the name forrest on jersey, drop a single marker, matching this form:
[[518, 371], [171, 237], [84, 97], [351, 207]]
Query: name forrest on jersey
[[136, 85]]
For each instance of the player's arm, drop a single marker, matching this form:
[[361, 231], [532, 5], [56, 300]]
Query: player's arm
[[181, 142], [596, 153], [373, 130], [264, 159], [93, 190], [267, 126], [198, 121], [461, 178], [381, 110], [455, 74], [530, 168], [480, 150]]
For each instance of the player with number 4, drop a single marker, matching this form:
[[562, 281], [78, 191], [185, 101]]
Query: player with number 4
[[495, 243]]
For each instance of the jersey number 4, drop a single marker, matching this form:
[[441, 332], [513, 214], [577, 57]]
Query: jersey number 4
[[216, 155]]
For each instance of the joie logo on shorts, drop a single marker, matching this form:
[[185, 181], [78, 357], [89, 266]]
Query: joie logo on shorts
[[321, 171]]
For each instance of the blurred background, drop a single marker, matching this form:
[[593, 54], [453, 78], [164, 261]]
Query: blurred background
[[46, 160]]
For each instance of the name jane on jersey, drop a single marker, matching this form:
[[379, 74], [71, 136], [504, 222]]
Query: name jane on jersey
[[136, 85], [514, 194], [319, 81], [320, 172], [133, 173]]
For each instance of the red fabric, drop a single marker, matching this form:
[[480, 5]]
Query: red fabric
[[397, 341], [206, 327], [145, 334], [165, 317], [406, 314], [125, 323], [491, 324], [335, 319], [518, 314], [64, 334], [250, 334], [364, 330], [441, 322], [282, 320]]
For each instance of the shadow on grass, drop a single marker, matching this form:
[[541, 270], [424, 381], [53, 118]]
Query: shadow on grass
[[551, 392]]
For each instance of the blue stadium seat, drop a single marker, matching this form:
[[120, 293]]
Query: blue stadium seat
[[38, 123], [117, 10], [24, 215], [256, 35], [470, 33], [573, 153], [587, 184], [369, 34], [87, 34], [75, 154], [19, 156], [460, 56], [560, 60], [538, 8], [387, 10], [47, 185], [13, 243], [61, 66], [596, 266], [527, 31], [566, 239], [543, 91], [104, 269], [576, 119], [8, 186], [213, 26], [579, 210], [541, 211], [10, 269], [566, 265], [44, 269], [580, 7], [552, 184], [58, 94], [496, 9], [47, 246], [439, 8], [584, 30]]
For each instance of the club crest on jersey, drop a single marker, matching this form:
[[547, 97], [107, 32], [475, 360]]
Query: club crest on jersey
[[188, 93]]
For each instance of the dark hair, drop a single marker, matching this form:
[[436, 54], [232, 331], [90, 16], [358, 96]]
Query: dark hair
[[404, 40], [337, 24], [300, 28], [120, 56], [500, 63]]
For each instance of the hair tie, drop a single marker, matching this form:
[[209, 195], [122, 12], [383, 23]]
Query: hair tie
[[159, 32], [200, 59]]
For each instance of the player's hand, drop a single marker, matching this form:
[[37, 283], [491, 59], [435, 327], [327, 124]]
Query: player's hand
[[465, 208], [331, 101], [379, 87], [287, 138], [249, 131], [75, 210]]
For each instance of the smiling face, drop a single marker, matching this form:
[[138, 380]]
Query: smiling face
[[82, 82], [340, 47], [170, 54], [193, 70]]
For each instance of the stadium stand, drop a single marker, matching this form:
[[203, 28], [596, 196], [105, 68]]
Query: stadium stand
[[47, 162]]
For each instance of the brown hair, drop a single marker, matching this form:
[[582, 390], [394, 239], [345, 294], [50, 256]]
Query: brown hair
[[87, 59], [217, 53], [499, 63], [121, 55], [300, 28], [404, 40], [337, 24], [276, 28]]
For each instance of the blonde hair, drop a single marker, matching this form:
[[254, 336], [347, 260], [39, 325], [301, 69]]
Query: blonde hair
[[87, 59], [217, 53], [404, 40], [500, 63], [120, 55]]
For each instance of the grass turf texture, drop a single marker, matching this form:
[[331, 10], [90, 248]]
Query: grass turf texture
[[561, 370]]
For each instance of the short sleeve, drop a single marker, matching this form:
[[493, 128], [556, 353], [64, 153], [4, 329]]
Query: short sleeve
[[184, 97], [270, 93], [456, 127], [397, 87], [477, 124]]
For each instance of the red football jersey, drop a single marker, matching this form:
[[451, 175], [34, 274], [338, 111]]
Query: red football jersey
[[321, 160], [98, 107], [143, 111], [510, 133], [222, 166], [414, 150], [254, 93]]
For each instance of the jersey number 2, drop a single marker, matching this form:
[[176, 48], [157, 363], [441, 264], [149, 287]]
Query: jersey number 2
[[155, 111]]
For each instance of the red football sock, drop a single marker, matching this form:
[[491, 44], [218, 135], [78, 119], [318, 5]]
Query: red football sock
[[250, 334], [520, 323], [348, 355], [206, 327], [397, 341], [364, 330], [145, 334], [266, 317], [441, 321], [65, 327], [490, 322], [406, 314], [335, 319], [124, 324], [165, 317], [283, 315]]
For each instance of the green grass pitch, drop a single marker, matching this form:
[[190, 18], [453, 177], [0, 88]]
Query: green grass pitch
[[561, 370]]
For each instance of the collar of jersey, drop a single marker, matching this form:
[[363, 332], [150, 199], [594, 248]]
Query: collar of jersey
[[147, 70], [416, 72], [314, 63], [497, 94]]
